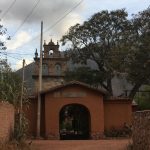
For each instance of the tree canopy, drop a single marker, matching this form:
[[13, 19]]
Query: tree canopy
[[115, 43], [2, 40]]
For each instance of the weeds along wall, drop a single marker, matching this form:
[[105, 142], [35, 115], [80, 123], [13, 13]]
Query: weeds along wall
[[6, 121], [141, 130]]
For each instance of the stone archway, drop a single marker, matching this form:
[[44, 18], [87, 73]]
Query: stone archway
[[74, 122]]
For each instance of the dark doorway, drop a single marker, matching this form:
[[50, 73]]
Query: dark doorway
[[74, 122]]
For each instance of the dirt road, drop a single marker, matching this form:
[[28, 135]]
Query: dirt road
[[80, 145]]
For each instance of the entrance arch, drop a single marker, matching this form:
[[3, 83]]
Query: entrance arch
[[74, 122]]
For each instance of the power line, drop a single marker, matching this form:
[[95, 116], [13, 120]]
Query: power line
[[60, 19], [30, 13], [20, 54], [11, 56], [8, 9]]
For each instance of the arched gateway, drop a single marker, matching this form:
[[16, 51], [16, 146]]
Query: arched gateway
[[73, 111], [74, 122]]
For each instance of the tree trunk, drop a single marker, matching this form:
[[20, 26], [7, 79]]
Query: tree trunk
[[109, 87], [135, 89]]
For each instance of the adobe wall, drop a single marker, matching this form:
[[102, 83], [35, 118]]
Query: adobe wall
[[116, 113], [54, 102], [141, 130], [6, 121]]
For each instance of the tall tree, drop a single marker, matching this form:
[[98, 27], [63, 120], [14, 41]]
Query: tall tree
[[10, 87], [98, 39], [138, 56], [10, 90], [87, 75], [116, 44]]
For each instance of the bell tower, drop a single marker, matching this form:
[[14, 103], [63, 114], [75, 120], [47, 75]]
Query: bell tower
[[54, 66], [51, 50]]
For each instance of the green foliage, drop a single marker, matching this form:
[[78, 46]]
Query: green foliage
[[143, 99], [3, 40], [10, 91], [98, 39], [116, 44], [86, 75], [2, 33], [21, 127], [138, 56], [10, 86]]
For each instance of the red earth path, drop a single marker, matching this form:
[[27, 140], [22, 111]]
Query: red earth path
[[120, 144]]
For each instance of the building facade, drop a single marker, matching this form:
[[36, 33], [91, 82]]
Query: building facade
[[71, 110], [77, 111], [54, 66]]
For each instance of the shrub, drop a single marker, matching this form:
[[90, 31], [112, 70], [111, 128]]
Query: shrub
[[20, 129], [122, 132]]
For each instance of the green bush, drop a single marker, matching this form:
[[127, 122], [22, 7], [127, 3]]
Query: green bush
[[143, 98], [21, 127]]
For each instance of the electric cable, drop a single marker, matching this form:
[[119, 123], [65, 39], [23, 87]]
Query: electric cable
[[20, 53], [60, 19], [11, 56], [12, 4], [30, 13]]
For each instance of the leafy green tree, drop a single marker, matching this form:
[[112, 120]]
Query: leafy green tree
[[10, 91], [138, 56], [10, 87], [99, 39], [85, 74], [116, 44], [3, 34]]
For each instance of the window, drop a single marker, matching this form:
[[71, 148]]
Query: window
[[58, 69], [51, 53], [45, 69]]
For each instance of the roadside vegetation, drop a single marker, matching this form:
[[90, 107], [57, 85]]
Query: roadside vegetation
[[142, 98]]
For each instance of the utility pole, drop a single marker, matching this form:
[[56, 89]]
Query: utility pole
[[22, 93], [40, 85]]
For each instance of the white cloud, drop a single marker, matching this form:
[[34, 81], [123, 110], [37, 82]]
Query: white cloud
[[62, 27], [19, 63], [20, 39], [51, 11]]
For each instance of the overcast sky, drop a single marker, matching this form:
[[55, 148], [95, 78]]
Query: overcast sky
[[22, 19]]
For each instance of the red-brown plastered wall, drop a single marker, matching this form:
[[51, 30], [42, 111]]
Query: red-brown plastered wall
[[6, 121], [116, 113], [92, 100]]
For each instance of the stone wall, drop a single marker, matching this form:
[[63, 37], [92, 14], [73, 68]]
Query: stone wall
[[141, 130], [6, 121]]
